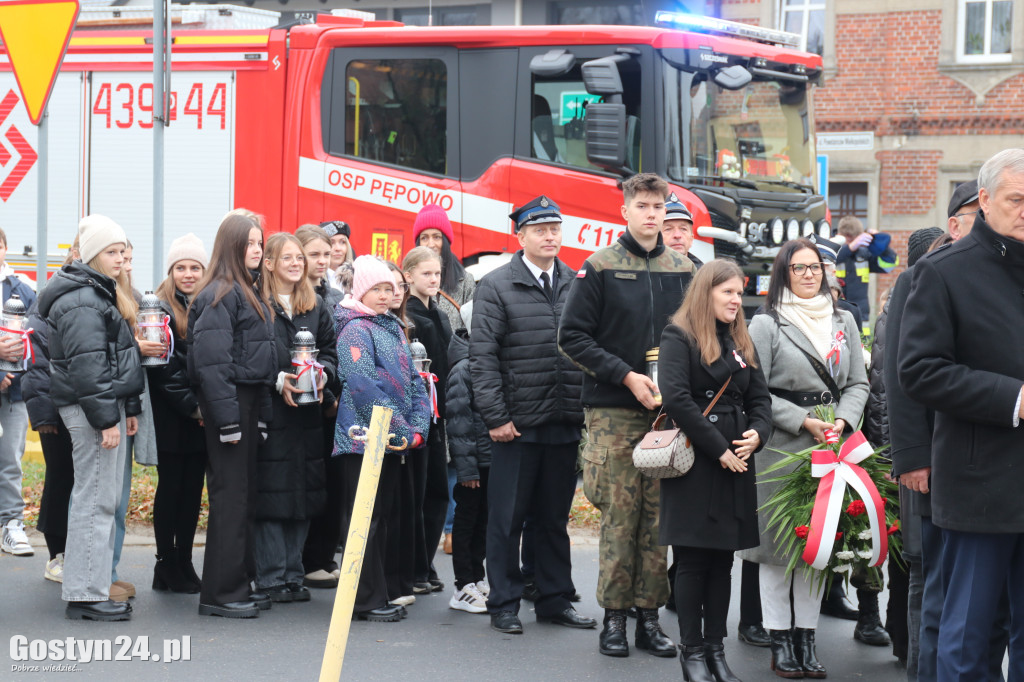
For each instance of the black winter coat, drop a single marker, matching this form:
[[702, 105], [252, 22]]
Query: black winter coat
[[960, 355], [711, 506], [469, 442], [435, 333], [35, 382], [876, 411], [290, 475], [94, 360], [518, 373], [174, 402], [617, 308], [228, 344]]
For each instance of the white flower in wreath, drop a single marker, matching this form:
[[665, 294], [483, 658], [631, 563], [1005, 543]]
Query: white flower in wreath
[[842, 568], [864, 534], [864, 553], [845, 556]]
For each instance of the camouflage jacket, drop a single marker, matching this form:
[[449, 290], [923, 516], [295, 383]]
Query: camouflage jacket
[[617, 308]]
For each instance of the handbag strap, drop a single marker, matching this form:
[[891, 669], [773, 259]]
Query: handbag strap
[[661, 413], [450, 299], [823, 374]]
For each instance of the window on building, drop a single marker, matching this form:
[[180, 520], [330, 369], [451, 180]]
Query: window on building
[[457, 15], [984, 30], [806, 18], [848, 198], [615, 12], [396, 112]]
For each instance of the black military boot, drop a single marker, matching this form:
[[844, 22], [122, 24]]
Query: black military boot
[[869, 624], [613, 640], [784, 660], [649, 635], [803, 644]]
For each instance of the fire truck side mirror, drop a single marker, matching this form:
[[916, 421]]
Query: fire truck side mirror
[[733, 77], [553, 63], [601, 76], [606, 136]]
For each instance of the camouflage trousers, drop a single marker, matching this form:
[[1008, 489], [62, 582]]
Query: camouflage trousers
[[632, 568]]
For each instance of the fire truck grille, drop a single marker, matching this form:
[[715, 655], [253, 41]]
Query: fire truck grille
[[723, 249]]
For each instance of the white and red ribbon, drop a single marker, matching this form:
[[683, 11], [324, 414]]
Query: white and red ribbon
[[739, 360], [835, 351], [431, 380], [165, 327], [835, 472], [318, 370], [28, 353]]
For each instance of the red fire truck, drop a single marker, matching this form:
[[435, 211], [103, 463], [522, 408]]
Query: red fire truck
[[367, 121]]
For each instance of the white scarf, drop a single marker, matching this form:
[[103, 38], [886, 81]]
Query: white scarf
[[812, 316]]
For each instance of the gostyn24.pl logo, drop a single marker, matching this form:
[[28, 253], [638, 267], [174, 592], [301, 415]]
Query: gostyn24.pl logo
[[70, 653], [13, 169]]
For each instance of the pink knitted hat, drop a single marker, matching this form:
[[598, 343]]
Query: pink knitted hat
[[432, 217], [369, 272]]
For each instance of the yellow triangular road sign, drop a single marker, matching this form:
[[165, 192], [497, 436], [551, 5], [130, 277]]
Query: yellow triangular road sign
[[35, 34]]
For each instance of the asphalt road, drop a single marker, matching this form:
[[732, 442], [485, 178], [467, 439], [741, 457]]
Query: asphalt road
[[434, 643]]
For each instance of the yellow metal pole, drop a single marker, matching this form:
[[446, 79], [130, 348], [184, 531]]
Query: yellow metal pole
[[355, 546]]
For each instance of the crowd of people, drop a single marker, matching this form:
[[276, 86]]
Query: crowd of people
[[501, 391]]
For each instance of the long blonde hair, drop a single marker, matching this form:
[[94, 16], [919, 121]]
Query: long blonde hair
[[418, 255], [123, 298], [303, 297], [696, 316]]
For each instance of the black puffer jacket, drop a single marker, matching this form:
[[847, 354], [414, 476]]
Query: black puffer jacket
[[432, 329], [94, 360], [468, 440], [876, 412], [228, 345], [518, 373], [35, 382], [174, 402], [290, 474]]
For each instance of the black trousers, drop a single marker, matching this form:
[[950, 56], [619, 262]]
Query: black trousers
[[228, 564], [325, 529], [178, 499], [399, 564], [703, 587], [430, 475], [750, 594], [469, 531], [57, 484], [373, 588], [524, 477]]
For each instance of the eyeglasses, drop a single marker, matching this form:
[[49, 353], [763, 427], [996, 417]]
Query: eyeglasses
[[403, 287], [957, 215], [799, 269]]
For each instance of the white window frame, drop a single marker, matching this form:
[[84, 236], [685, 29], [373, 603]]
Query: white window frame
[[805, 8], [961, 35]]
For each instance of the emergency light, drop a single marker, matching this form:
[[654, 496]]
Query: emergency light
[[702, 24]]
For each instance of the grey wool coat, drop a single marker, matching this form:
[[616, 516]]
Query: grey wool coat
[[785, 367]]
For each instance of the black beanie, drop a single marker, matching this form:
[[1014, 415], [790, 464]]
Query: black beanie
[[919, 241]]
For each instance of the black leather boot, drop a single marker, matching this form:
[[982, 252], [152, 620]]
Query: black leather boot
[[714, 654], [649, 635], [869, 625], [187, 569], [803, 644], [695, 667], [167, 576], [613, 640], [754, 635], [784, 660]]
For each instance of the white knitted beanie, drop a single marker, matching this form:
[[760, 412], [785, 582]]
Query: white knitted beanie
[[97, 232], [187, 247]]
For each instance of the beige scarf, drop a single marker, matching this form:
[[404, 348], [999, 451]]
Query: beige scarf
[[812, 316]]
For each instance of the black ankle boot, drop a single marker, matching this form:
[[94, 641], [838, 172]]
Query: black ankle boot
[[167, 576], [613, 640], [803, 644], [869, 625], [188, 571], [695, 667], [784, 660], [649, 635], [714, 654]]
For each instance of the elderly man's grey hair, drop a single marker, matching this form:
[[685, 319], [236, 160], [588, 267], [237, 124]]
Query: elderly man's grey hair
[[991, 173]]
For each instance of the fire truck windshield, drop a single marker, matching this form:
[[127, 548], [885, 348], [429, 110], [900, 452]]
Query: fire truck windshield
[[758, 137]]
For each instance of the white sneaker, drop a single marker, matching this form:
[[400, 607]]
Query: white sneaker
[[484, 587], [468, 599], [404, 600], [55, 569], [14, 539]]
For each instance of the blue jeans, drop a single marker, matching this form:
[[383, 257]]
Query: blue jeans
[[449, 520], [14, 420], [122, 508]]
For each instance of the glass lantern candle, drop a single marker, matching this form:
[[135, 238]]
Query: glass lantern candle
[[652, 372], [419, 356], [306, 368], [154, 325], [13, 320]]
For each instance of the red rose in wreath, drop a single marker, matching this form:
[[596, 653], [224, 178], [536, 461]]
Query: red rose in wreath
[[801, 531], [856, 508], [893, 528]]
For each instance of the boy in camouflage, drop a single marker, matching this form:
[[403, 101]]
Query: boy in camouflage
[[617, 308]]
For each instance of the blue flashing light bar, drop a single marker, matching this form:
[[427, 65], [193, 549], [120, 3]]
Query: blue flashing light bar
[[701, 24]]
